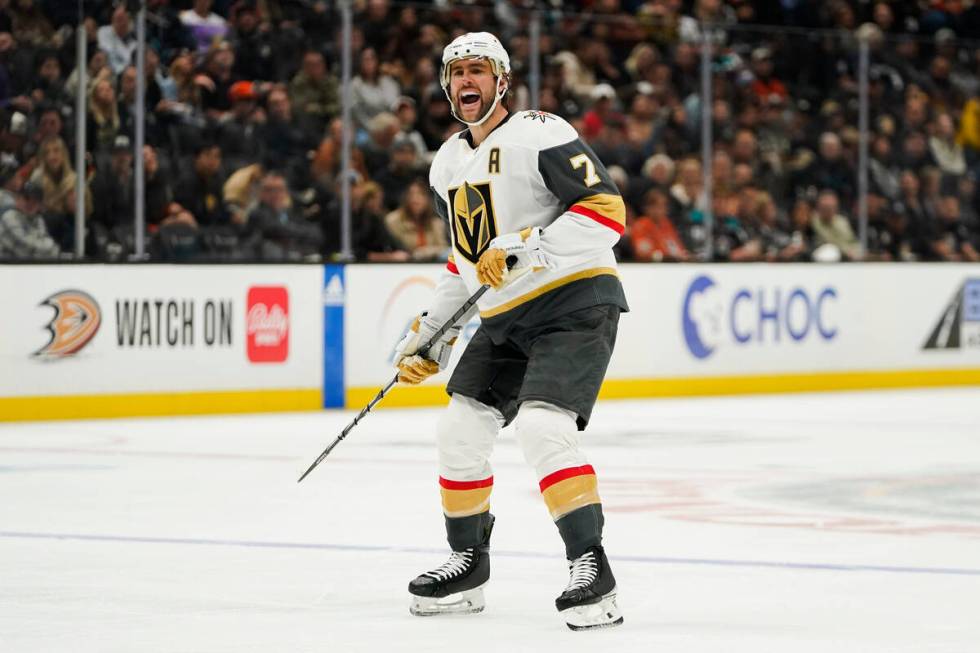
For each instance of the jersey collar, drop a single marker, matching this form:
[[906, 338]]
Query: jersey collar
[[468, 137]]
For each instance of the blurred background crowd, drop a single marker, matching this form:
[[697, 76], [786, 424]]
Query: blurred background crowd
[[243, 134]]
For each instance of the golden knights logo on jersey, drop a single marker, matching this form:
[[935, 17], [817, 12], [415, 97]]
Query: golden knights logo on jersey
[[471, 219]]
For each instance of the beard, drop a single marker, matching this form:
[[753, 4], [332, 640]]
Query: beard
[[482, 108]]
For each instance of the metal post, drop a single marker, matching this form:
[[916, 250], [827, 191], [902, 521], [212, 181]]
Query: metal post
[[81, 61], [534, 65], [862, 171], [707, 147], [139, 183], [346, 252]]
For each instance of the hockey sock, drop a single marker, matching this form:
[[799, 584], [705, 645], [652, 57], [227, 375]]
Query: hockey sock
[[466, 532], [581, 529], [572, 496]]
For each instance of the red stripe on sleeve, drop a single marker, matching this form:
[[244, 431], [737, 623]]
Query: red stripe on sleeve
[[598, 217], [452, 267], [465, 485], [562, 474]]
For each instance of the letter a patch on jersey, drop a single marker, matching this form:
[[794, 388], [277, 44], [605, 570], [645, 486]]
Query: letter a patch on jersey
[[472, 220]]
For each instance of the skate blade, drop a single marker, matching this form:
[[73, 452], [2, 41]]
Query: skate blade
[[468, 602], [604, 614]]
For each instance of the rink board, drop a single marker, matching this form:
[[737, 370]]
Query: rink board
[[109, 341], [724, 329]]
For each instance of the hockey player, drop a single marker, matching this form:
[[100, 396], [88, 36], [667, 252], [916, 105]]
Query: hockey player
[[533, 214]]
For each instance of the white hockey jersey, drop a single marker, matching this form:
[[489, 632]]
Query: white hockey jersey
[[532, 170]]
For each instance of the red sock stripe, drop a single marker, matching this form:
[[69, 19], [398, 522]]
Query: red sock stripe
[[465, 485], [598, 217], [452, 267], [562, 474]]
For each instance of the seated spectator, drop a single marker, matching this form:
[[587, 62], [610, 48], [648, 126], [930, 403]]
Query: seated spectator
[[371, 240], [931, 179], [832, 228], [886, 234], [313, 93], [285, 141], [915, 153], [126, 103], [770, 227], [239, 135], [23, 235], [404, 110], [652, 235], [216, 81], [800, 246], [602, 113], [96, 70], [198, 189], [382, 131], [29, 24], [372, 92], [883, 169], [57, 179], [204, 25], [159, 205], [401, 170], [48, 85], [416, 227], [103, 118], [112, 195], [765, 85], [948, 237], [256, 54], [946, 152], [831, 170], [277, 232], [165, 32], [117, 39]]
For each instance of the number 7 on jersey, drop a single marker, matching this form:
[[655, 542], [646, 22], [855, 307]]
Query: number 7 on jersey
[[579, 160]]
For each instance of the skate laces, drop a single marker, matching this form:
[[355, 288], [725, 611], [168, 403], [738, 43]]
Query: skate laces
[[457, 564], [582, 571]]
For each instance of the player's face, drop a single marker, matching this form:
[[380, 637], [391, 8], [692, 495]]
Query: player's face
[[472, 87]]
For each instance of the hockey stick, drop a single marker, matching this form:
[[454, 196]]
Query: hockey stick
[[384, 391]]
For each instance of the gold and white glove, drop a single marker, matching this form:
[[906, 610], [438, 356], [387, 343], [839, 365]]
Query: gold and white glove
[[523, 251], [414, 366]]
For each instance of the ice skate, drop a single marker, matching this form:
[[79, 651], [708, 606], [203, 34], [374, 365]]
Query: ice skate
[[589, 600], [456, 587]]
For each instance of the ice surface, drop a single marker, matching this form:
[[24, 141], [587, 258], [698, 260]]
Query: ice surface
[[824, 523]]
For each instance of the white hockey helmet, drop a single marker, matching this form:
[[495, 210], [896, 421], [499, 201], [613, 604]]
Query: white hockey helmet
[[475, 45]]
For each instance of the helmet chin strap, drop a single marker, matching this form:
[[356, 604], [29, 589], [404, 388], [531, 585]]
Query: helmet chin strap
[[496, 100]]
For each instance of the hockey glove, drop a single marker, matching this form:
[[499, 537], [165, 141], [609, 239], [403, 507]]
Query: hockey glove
[[511, 256], [414, 366]]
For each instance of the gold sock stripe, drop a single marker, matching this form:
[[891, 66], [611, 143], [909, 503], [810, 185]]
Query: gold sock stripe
[[571, 494], [463, 503]]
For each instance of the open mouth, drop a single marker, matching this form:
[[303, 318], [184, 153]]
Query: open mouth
[[469, 99]]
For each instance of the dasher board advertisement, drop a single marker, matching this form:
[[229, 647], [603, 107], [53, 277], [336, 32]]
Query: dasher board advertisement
[[152, 338], [723, 329]]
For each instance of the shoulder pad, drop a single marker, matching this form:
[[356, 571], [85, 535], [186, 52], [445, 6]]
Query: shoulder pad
[[442, 162], [542, 129]]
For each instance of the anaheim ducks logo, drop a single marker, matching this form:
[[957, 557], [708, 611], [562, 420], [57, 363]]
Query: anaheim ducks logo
[[473, 223], [76, 320]]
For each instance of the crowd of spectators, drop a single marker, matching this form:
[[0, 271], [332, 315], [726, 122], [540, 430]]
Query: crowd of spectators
[[243, 136]]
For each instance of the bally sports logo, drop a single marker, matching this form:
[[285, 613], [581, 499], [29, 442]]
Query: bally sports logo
[[267, 324], [75, 322]]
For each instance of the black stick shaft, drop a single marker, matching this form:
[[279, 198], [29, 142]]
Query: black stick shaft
[[391, 384]]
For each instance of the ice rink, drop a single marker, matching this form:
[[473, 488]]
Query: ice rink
[[824, 523]]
